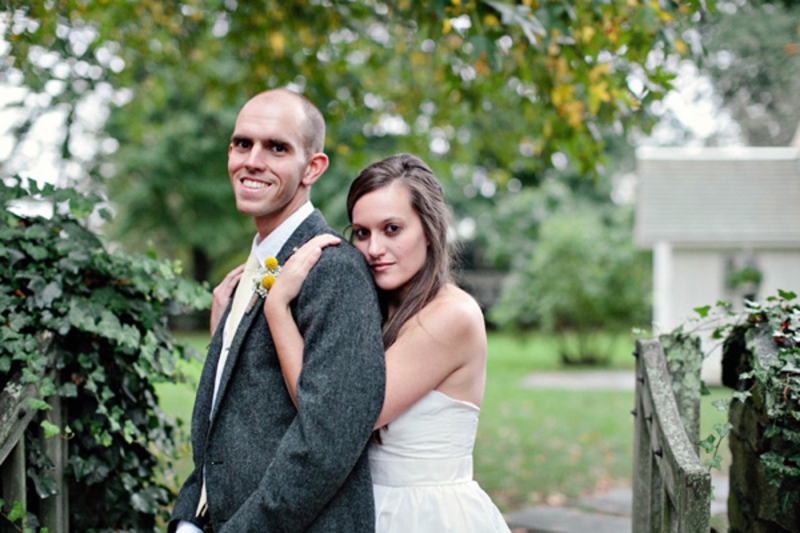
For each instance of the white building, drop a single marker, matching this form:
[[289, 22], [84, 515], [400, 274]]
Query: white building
[[712, 216]]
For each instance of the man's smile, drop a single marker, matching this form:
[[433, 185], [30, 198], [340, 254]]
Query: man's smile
[[253, 184]]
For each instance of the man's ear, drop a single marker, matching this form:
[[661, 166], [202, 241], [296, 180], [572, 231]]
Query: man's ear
[[316, 166]]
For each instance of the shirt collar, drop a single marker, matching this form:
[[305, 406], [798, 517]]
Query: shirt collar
[[273, 242]]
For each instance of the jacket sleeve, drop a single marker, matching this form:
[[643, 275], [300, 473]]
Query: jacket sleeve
[[340, 395], [186, 504]]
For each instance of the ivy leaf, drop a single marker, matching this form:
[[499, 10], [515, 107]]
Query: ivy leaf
[[742, 395], [703, 311], [50, 429], [721, 405], [38, 404], [17, 512], [716, 462], [723, 429], [47, 388], [46, 296], [68, 390], [787, 295], [708, 443]]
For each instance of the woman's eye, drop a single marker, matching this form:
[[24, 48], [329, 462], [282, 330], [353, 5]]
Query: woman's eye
[[392, 228], [361, 233]]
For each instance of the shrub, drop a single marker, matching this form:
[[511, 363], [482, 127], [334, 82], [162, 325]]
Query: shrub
[[584, 275], [107, 312]]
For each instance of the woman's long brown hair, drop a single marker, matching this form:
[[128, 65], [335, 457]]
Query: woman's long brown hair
[[428, 202]]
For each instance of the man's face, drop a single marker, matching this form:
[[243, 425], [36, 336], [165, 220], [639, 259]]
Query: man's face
[[267, 162]]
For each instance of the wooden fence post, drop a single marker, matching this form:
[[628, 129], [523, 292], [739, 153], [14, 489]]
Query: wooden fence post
[[671, 489]]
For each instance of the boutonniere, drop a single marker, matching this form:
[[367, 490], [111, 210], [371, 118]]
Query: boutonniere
[[263, 280], [266, 275]]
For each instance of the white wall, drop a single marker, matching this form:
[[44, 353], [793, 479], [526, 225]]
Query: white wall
[[781, 270], [688, 278], [696, 278]]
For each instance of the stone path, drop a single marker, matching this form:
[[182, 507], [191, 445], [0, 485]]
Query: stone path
[[606, 512]]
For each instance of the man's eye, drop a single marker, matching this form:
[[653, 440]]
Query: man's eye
[[242, 143], [278, 147]]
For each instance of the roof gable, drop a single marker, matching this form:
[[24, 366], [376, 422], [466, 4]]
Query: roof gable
[[718, 197]]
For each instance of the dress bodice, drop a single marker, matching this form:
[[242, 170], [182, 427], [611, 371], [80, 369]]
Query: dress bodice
[[431, 442], [422, 472]]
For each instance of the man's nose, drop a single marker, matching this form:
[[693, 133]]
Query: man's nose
[[255, 159]]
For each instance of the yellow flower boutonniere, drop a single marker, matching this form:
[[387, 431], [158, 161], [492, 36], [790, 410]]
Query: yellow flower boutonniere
[[266, 275]]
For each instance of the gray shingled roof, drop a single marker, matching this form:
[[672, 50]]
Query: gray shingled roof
[[718, 197]]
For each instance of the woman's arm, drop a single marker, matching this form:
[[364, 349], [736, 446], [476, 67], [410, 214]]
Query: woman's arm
[[288, 342], [443, 347]]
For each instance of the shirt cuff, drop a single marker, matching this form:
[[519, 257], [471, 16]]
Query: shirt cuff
[[187, 527]]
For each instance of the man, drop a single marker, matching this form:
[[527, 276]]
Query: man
[[260, 464]]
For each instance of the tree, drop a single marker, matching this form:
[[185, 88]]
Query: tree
[[754, 64], [484, 90]]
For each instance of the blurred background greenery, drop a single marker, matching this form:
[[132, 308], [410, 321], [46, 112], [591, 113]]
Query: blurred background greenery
[[529, 111]]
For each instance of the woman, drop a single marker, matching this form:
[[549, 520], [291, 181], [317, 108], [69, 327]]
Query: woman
[[435, 344]]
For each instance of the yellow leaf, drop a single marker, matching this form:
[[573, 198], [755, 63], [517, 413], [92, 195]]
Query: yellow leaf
[[446, 26], [588, 33], [561, 94], [597, 71], [278, 42], [598, 93], [574, 113], [490, 20], [456, 2], [480, 65], [547, 130], [680, 46]]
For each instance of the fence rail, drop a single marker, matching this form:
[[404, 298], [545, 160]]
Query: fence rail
[[671, 488]]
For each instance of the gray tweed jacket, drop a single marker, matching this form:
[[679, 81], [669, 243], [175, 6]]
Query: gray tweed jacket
[[270, 467]]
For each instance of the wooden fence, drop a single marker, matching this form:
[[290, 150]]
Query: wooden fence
[[671, 488], [15, 415]]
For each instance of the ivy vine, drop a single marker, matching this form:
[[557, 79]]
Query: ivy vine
[[107, 312], [768, 334]]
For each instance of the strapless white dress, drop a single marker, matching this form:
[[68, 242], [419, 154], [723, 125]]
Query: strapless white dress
[[422, 473]]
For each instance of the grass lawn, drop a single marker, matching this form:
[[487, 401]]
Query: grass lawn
[[533, 445]]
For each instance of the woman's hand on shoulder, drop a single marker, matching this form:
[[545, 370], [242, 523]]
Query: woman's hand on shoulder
[[295, 271]]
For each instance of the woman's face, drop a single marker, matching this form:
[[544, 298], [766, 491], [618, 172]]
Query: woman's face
[[389, 233]]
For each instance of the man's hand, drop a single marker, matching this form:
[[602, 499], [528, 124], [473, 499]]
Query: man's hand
[[222, 296]]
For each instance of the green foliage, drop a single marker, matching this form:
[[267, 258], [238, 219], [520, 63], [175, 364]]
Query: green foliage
[[743, 276], [768, 334], [108, 314], [754, 64], [584, 275], [490, 93]]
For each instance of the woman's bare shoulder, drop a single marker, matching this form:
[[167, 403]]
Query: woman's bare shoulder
[[453, 316]]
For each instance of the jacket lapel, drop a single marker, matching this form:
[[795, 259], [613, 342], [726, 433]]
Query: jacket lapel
[[312, 225]]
